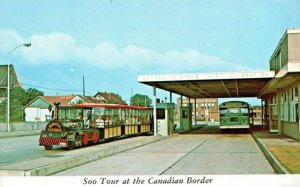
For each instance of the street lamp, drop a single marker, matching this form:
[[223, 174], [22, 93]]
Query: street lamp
[[8, 84]]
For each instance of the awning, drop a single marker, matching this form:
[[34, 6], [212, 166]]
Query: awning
[[211, 85]]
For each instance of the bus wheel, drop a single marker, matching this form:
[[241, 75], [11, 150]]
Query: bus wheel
[[48, 147], [95, 137], [85, 139]]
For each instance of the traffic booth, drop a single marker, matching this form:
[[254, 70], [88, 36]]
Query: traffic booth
[[186, 118], [165, 118]]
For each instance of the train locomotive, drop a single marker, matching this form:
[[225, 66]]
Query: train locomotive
[[92, 123]]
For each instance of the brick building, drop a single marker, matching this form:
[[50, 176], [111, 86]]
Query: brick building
[[205, 109]]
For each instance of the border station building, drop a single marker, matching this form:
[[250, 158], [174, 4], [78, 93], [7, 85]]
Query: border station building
[[278, 88]]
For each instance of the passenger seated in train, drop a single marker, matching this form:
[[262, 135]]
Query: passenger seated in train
[[87, 121], [99, 122], [107, 121]]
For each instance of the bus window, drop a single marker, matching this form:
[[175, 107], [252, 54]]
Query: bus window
[[223, 110], [244, 110], [233, 110]]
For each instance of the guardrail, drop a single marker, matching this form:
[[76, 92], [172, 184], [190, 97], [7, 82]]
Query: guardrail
[[23, 126]]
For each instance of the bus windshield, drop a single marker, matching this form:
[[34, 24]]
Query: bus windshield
[[233, 110]]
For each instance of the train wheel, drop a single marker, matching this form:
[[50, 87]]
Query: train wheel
[[85, 139], [95, 137], [48, 147]]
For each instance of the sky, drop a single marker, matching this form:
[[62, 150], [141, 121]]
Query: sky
[[110, 43]]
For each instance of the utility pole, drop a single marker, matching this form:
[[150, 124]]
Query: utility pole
[[83, 84]]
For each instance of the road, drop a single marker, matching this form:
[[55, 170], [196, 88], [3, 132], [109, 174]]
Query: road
[[22, 148], [204, 151], [184, 154]]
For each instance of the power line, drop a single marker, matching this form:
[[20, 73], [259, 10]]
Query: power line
[[56, 89]]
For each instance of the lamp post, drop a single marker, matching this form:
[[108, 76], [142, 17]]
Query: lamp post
[[8, 84]]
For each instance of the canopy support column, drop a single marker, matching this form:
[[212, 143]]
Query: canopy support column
[[279, 114], [154, 111], [181, 121], [298, 87], [195, 105]]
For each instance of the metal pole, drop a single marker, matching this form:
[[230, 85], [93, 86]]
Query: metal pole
[[180, 112], [262, 112], [279, 99], [8, 94], [8, 84], [154, 111], [206, 110], [195, 110]]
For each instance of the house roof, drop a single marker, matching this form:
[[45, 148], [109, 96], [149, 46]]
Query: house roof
[[51, 99], [64, 100], [89, 99], [111, 96], [3, 75]]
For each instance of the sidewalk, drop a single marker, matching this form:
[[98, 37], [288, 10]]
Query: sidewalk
[[282, 152], [19, 133], [54, 162]]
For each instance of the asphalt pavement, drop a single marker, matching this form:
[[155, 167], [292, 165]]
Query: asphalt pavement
[[264, 139]]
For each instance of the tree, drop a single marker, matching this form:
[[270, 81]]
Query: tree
[[32, 93], [18, 99], [140, 100]]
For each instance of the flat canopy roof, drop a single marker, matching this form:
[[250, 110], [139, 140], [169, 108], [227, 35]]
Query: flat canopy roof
[[214, 85]]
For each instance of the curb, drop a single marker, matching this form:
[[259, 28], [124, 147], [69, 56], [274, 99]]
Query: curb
[[68, 164], [19, 135], [270, 157]]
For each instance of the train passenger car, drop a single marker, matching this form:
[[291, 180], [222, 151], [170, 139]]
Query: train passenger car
[[91, 123], [234, 115]]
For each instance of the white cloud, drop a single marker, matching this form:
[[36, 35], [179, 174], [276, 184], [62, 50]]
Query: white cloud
[[54, 48], [61, 48], [9, 39]]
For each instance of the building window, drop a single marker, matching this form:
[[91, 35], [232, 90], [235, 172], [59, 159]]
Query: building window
[[160, 113], [279, 59], [12, 80]]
